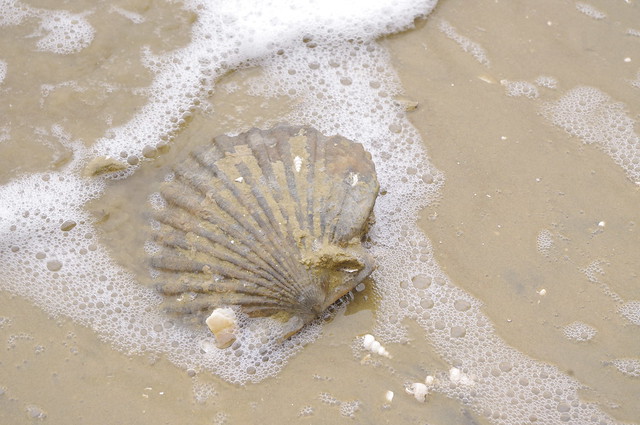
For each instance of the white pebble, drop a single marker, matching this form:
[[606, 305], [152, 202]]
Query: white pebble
[[389, 396], [429, 380]]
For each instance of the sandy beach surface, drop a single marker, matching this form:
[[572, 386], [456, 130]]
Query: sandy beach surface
[[539, 225]]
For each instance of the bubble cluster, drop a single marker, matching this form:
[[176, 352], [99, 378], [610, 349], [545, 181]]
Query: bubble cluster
[[635, 83], [306, 411], [60, 31], [66, 33], [579, 331], [343, 83], [3, 70], [203, 391], [520, 88], [544, 242], [630, 310], [629, 367], [347, 408], [220, 418], [590, 11], [228, 36], [5, 321], [469, 46], [13, 12], [546, 81], [136, 18], [35, 412], [591, 115]]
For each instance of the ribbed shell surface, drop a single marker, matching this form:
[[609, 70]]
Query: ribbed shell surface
[[270, 221]]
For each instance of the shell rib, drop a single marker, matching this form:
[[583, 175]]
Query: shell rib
[[270, 221]]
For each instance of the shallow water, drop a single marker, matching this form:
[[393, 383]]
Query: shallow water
[[511, 175]]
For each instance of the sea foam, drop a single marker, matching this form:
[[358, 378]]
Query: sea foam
[[325, 55]]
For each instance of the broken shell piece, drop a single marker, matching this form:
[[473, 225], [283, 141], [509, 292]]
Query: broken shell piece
[[457, 377], [389, 396], [407, 104], [222, 323], [103, 165], [419, 391]]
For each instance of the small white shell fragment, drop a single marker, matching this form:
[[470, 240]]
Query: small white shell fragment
[[365, 359], [405, 103], [457, 377], [429, 380], [389, 396], [297, 162], [602, 224], [222, 323], [375, 346], [367, 341], [353, 179], [239, 179], [419, 391], [103, 165], [487, 79], [542, 292]]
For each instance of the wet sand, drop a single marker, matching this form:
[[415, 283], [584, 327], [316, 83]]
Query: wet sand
[[509, 175]]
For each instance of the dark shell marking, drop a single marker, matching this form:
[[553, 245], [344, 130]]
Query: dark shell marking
[[270, 221]]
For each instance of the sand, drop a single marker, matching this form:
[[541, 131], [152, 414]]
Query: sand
[[510, 174]]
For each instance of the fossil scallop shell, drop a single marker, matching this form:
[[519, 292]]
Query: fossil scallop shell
[[269, 221]]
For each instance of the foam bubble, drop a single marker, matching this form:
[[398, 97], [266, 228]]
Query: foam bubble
[[66, 33], [136, 18], [546, 81], [61, 32], [3, 70], [347, 408], [629, 367], [591, 115], [544, 242], [344, 83], [13, 12], [634, 83], [590, 11], [231, 34], [520, 88], [579, 331], [469, 46], [630, 310]]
